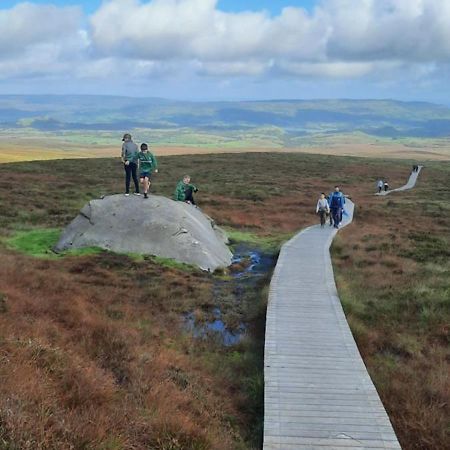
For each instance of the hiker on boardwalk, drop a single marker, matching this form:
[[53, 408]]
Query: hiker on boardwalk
[[129, 158], [147, 164], [336, 201], [322, 209], [386, 186], [185, 190], [380, 185]]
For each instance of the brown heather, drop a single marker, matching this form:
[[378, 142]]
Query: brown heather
[[93, 354]]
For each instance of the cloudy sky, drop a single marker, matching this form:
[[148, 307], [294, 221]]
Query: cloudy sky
[[228, 49]]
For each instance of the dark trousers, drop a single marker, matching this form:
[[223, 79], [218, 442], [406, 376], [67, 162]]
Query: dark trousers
[[322, 214], [130, 171], [188, 195], [336, 213]]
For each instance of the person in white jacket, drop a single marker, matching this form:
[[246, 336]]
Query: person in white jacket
[[322, 208], [380, 185]]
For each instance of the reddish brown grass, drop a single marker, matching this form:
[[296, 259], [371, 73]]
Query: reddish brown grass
[[72, 376], [92, 354], [395, 292]]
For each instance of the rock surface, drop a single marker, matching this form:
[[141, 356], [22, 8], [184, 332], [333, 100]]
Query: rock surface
[[155, 226]]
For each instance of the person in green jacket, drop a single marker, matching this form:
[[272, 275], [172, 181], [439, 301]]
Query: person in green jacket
[[147, 164], [185, 190]]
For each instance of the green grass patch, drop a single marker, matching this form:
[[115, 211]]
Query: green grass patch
[[39, 243], [427, 248], [270, 243], [172, 263]]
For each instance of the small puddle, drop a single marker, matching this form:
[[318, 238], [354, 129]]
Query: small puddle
[[214, 329], [249, 266]]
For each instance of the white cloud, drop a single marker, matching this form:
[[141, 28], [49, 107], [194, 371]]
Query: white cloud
[[327, 69], [341, 38], [410, 30], [139, 40], [27, 25]]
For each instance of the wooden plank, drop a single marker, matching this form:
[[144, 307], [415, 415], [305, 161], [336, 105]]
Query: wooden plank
[[318, 393]]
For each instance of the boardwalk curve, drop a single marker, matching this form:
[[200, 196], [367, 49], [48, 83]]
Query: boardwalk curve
[[318, 393], [409, 185]]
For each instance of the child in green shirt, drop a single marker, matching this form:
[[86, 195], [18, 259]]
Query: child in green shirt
[[147, 164], [184, 191]]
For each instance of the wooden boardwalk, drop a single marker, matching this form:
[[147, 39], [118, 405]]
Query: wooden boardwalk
[[318, 394], [409, 185]]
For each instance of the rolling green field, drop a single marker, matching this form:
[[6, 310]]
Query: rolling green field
[[92, 126]]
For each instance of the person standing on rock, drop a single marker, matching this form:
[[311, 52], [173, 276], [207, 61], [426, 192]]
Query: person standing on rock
[[322, 209], [336, 200], [129, 158], [147, 164], [185, 190]]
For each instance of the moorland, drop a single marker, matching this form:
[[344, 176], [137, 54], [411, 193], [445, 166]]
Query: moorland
[[94, 347]]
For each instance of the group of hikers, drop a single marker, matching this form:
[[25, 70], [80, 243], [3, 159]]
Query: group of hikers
[[142, 159], [384, 185], [332, 207]]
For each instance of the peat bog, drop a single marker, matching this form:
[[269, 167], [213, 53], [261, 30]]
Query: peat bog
[[94, 347]]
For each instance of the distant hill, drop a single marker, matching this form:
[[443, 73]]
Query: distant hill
[[382, 118]]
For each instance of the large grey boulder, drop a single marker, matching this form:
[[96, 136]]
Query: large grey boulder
[[154, 226]]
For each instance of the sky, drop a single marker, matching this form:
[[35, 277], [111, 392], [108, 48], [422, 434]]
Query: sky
[[227, 49]]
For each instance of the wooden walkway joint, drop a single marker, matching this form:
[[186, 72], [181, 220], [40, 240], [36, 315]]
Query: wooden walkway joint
[[318, 393]]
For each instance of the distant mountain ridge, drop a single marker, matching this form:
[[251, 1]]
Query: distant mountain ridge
[[384, 118]]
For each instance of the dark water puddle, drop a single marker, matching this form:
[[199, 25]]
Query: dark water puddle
[[234, 298], [215, 329]]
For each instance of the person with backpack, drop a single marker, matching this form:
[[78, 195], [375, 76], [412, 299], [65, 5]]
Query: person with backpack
[[336, 200], [322, 209], [129, 160], [147, 164], [185, 190]]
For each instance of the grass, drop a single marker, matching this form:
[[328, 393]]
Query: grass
[[392, 271], [35, 242], [270, 244], [39, 243], [173, 264], [93, 348]]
